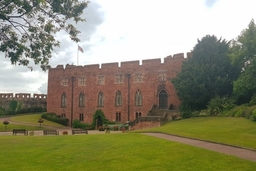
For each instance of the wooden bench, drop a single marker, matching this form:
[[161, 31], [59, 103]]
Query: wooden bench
[[51, 132], [79, 131], [21, 131]]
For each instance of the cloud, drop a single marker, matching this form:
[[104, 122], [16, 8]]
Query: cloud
[[210, 3]]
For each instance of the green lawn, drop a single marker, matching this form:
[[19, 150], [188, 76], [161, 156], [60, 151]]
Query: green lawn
[[23, 121], [33, 119], [228, 130], [110, 152]]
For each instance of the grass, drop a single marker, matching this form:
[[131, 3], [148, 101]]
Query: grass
[[110, 152], [29, 122], [227, 130]]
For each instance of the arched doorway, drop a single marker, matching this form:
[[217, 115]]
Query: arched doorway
[[98, 122], [163, 100]]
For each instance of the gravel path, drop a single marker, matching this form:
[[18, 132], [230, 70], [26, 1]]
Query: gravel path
[[229, 150]]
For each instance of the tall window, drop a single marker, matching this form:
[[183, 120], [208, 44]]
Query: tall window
[[63, 100], [81, 99], [81, 117], [118, 101], [138, 114], [100, 99], [138, 98], [118, 116]]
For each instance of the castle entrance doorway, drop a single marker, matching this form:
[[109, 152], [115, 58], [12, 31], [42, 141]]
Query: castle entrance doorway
[[163, 100], [98, 122]]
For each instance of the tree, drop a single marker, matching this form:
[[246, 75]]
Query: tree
[[207, 74], [28, 28], [243, 54]]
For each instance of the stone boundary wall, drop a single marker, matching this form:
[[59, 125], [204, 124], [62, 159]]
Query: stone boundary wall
[[27, 100], [22, 96]]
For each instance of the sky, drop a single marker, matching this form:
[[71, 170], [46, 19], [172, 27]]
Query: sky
[[126, 30]]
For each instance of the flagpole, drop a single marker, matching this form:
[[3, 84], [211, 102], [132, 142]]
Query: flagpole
[[77, 55]]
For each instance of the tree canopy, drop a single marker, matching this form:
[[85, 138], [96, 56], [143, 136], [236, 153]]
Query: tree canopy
[[243, 54], [28, 28], [208, 73]]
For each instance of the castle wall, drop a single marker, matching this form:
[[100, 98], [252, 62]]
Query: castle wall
[[27, 100], [150, 85]]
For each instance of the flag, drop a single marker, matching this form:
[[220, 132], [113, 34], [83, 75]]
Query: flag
[[81, 49]]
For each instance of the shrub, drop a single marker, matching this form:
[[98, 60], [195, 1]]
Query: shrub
[[99, 113], [79, 124], [55, 118], [185, 110], [254, 115], [218, 104]]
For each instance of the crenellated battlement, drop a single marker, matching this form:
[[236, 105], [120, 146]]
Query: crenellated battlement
[[127, 64], [22, 96]]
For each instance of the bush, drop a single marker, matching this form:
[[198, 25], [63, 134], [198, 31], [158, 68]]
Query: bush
[[218, 104], [55, 118], [99, 113], [79, 124], [185, 110], [254, 115], [31, 110]]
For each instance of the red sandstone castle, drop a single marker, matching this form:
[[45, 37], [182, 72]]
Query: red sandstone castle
[[123, 92]]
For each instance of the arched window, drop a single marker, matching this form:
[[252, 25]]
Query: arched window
[[163, 100], [138, 98], [81, 99], [100, 99], [118, 101], [63, 100]]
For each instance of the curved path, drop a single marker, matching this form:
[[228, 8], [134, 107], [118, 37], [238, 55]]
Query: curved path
[[229, 150]]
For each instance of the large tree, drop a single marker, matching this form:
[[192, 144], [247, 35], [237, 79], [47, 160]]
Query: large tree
[[28, 28], [243, 54], [208, 73]]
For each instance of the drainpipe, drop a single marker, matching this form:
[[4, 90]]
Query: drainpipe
[[129, 97], [72, 102]]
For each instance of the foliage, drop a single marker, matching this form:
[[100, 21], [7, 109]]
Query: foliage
[[239, 111], [31, 110], [13, 104], [28, 28], [55, 118], [79, 124], [208, 73], [243, 55], [2, 111], [99, 113], [217, 104], [185, 110], [254, 115]]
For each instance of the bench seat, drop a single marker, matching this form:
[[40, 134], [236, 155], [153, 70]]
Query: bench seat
[[79, 131], [19, 131], [51, 132]]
